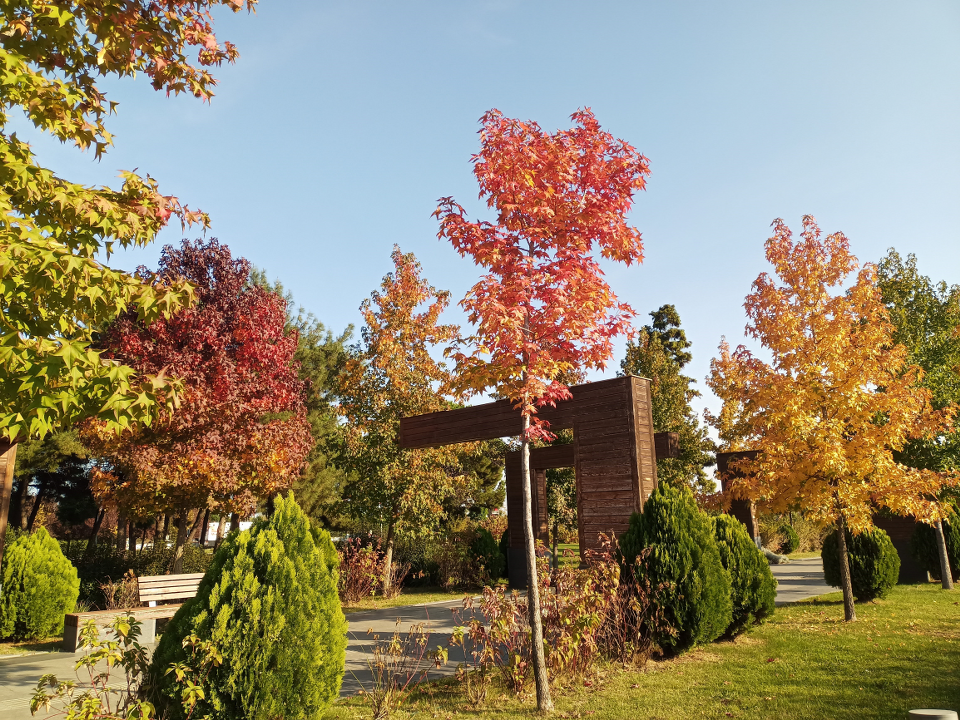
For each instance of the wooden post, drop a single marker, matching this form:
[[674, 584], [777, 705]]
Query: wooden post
[[8, 459]]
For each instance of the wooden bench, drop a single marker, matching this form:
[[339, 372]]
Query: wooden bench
[[153, 589]]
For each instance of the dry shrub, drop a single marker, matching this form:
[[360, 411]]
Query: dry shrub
[[361, 572], [122, 594]]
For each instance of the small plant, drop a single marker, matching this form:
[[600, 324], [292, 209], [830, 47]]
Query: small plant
[[791, 541], [121, 595], [395, 665], [753, 587], [39, 587], [874, 563], [476, 673], [361, 571], [485, 552]]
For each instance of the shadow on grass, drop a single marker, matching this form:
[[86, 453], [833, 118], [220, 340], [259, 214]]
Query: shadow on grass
[[9, 649]]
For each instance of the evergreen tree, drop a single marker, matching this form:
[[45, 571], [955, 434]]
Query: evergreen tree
[[660, 352]]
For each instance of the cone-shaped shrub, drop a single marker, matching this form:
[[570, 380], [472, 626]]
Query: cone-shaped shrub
[[269, 603], [791, 540], [39, 587], [874, 563], [924, 547], [683, 557], [486, 553], [753, 587]]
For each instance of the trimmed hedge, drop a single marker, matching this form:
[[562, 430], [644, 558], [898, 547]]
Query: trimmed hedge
[[269, 603], [923, 544], [874, 563], [753, 587], [40, 586], [684, 556]]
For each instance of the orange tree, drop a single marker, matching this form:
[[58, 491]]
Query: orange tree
[[54, 292], [543, 308], [389, 376], [836, 399]]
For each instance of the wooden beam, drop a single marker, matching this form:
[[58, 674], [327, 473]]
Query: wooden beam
[[8, 460]]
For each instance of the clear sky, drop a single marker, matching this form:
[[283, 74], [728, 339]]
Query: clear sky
[[343, 122]]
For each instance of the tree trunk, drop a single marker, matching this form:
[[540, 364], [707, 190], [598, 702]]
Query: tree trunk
[[204, 528], [555, 562], [849, 612], [18, 503], [92, 540], [8, 458], [221, 526], [121, 531], [132, 538], [388, 558], [234, 521], [41, 493], [176, 566], [544, 701], [165, 535], [946, 577]]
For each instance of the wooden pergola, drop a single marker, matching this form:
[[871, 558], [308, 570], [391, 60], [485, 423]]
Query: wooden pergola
[[614, 453]]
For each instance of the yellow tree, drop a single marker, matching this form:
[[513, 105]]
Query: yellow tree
[[390, 376], [835, 400]]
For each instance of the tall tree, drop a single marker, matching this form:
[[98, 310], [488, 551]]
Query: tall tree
[[926, 320], [542, 307], [836, 400], [389, 376], [479, 487], [54, 290], [240, 431], [660, 352], [321, 356]]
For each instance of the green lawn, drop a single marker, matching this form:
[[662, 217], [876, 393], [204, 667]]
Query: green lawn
[[408, 596], [806, 663], [30, 646]]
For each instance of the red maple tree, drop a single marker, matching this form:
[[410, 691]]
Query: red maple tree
[[543, 308], [240, 430]]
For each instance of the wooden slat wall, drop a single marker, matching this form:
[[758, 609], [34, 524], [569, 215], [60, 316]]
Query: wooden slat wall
[[514, 478]]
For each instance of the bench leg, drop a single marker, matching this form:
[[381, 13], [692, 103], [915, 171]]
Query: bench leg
[[148, 630]]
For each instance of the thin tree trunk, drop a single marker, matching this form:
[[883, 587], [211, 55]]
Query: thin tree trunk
[[221, 526], [544, 701], [176, 566], [388, 558], [18, 504], [554, 560], [205, 528], [41, 492], [946, 576], [165, 535], [234, 521], [132, 538], [8, 459], [121, 531], [92, 540], [849, 612]]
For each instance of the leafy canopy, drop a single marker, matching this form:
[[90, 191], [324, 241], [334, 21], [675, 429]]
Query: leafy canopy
[[543, 307], [837, 398], [54, 293]]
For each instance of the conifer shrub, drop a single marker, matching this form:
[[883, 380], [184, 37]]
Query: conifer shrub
[[269, 604], [874, 563], [40, 586], [486, 553], [753, 589], [923, 544], [791, 541], [684, 560]]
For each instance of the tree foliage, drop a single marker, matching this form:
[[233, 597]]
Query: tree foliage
[[837, 398], [389, 376], [660, 352], [54, 291], [240, 431]]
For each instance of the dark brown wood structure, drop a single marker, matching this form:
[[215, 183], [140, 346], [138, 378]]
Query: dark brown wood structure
[[742, 509], [613, 453]]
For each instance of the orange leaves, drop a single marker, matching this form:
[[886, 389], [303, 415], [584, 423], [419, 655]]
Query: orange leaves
[[836, 399], [543, 307]]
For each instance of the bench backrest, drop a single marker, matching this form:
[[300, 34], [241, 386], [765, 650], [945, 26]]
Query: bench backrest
[[154, 588]]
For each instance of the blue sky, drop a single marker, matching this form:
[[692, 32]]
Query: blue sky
[[343, 122]]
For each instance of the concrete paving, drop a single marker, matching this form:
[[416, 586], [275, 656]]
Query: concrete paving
[[19, 674]]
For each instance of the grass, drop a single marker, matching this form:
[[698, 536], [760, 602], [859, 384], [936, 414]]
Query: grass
[[804, 555], [28, 647], [408, 596], [804, 664]]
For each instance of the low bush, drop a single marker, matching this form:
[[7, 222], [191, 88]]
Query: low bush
[[753, 589], [485, 552], [362, 568], [269, 605], [925, 548], [684, 560], [791, 541], [874, 563], [39, 587]]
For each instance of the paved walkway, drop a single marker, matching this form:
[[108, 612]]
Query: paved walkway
[[19, 674]]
